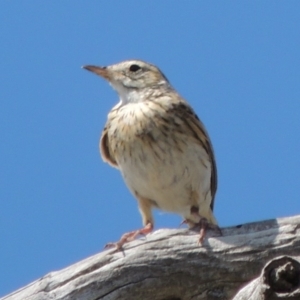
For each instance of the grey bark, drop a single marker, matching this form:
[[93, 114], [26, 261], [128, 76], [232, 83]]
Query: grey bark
[[280, 279], [258, 260]]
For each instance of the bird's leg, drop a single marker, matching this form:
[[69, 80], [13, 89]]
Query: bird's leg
[[130, 236], [183, 222], [145, 206], [204, 224]]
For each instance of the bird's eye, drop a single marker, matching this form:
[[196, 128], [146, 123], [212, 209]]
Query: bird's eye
[[134, 68]]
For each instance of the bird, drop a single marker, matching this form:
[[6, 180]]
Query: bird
[[162, 149]]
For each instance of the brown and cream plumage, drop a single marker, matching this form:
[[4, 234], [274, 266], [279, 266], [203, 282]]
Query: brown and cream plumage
[[159, 144]]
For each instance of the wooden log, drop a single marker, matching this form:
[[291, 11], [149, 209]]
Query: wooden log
[[169, 265], [280, 279]]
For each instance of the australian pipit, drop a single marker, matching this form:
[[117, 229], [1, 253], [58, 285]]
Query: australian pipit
[[160, 146]]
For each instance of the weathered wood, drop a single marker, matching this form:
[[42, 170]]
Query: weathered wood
[[280, 279], [168, 264]]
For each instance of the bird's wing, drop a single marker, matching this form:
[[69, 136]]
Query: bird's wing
[[196, 128], [106, 154]]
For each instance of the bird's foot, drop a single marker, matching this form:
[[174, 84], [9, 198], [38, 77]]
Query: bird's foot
[[183, 222], [130, 236], [204, 225]]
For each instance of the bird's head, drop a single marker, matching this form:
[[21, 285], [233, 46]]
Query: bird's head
[[131, 78]]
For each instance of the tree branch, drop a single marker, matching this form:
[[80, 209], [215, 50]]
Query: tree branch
[[280, 279], [169, 265]]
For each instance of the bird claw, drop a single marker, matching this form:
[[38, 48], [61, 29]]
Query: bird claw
[[115, 245], [183, 222], [204, 225], [129, 236]]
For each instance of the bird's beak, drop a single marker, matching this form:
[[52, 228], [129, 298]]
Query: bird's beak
[[101, 71]]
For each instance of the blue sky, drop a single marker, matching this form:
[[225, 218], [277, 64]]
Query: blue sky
[[236, 62]]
